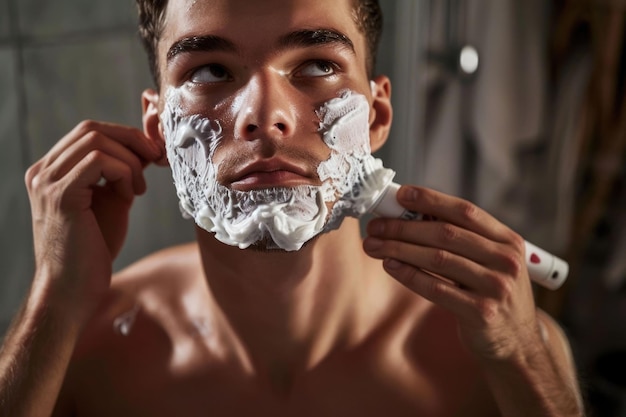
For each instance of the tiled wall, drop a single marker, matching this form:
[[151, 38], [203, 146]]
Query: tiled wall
[[62, 62]]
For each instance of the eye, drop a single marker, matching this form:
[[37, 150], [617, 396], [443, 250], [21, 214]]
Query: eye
[[317, 69], [212, 73]]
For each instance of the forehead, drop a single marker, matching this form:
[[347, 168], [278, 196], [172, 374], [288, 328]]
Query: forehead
[[256, 23]]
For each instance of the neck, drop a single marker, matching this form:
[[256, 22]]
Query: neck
[[289, 310]]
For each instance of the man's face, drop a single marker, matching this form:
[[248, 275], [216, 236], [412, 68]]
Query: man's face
[[247, 81]]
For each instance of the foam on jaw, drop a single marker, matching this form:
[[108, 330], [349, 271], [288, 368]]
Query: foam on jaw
[[355, 177], [285, 217]]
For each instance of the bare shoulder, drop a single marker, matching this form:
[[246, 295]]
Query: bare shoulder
[[180, 262], [440, 363], [141, 290], [131, 329]]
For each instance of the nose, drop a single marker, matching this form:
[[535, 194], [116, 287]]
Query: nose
[[267, 110]]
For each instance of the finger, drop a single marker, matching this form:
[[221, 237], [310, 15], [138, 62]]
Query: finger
[[449, 237], [462, 271], [454, 210], [162, 162], [31, 174], [98, 165], [434, 289], [129, 137], [95, 141]]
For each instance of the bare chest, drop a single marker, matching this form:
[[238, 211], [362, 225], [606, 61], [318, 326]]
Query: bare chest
[[357, 384]]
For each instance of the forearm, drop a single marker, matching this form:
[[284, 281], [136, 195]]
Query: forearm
[[535, 383], [35, 356]]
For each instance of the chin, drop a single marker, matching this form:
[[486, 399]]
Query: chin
[[267, 245]]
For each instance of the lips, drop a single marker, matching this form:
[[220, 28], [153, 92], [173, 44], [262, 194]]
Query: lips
[[271, 173]]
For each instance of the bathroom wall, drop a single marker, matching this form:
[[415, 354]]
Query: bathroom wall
[[62, 62]]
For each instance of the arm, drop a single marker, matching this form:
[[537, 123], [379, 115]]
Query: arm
[[545, 379], [34, 357], [79, 225], [472, 265]]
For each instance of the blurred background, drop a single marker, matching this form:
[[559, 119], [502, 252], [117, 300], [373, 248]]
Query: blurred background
[[516, 105]]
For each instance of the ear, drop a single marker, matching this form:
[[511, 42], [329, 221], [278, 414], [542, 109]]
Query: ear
[[381, 113], [151, 120]]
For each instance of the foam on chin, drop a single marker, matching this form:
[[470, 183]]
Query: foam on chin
[[352, 179]]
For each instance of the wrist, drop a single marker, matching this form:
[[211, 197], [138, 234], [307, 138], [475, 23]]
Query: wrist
[[49, 299], [530, 374], [524, 358], [506, 347]]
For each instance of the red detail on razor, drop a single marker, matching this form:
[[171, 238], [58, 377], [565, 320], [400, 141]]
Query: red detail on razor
[[534, 258]]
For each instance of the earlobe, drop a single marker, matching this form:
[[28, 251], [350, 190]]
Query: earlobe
[[381, 113], [151, 120]]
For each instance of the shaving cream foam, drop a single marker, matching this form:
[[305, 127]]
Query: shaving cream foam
[[352, 180]]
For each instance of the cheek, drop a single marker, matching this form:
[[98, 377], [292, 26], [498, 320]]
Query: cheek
[[345, 124], [218, 159], [220, 112], [209, 105]]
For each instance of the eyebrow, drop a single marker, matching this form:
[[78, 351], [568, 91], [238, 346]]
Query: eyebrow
[[205, 43], [315, 37], [295, 39]]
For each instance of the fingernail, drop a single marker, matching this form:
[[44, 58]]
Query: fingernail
[[371, 243], [409, 194]]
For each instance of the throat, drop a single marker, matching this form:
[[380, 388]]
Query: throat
[[285, 312]]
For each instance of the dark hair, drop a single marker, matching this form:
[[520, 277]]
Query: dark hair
[[366, 13], [369, 19]]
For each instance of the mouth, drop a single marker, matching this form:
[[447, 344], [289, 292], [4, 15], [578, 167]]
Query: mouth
[[272, 173]]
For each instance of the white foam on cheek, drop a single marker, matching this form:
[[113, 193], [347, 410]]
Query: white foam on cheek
[[191, 142], [287, 217], [344, 124], [352, 176]]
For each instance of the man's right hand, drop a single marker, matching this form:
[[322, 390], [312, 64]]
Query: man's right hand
[[81, 192]]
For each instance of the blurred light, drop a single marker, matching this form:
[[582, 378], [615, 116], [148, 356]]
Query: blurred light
[[468, 59]]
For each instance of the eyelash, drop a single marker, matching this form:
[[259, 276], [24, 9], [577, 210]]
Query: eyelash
[[333, 67], [210, 67]]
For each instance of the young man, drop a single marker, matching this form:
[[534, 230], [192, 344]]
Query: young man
[[421, 318]]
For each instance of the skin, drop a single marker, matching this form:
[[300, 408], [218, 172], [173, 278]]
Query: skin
[[427, 318]]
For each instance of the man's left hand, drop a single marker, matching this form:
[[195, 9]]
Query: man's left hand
[[465, 261]]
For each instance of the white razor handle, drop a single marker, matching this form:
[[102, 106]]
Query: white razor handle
[[544, 268]]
